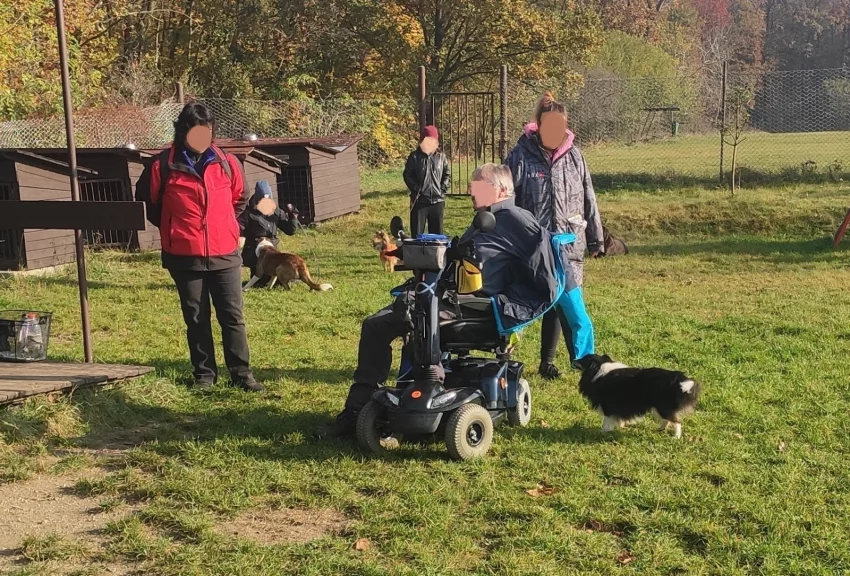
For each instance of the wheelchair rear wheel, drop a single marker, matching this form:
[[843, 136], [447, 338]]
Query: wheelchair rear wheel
[[521, 415], [370, 432]]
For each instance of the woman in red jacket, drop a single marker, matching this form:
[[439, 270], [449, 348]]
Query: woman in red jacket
[[195, 195]]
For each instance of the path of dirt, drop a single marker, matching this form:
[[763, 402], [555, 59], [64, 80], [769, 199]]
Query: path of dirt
[[47, 505], [285, 526]]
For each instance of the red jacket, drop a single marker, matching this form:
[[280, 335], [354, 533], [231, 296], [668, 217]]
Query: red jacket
[[197, 214]]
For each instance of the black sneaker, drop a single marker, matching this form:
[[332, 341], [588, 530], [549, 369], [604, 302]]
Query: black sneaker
[[249, 384], [344, 425], [549, 372]]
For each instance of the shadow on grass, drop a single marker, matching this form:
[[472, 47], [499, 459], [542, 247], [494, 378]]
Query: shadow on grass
[[181, 371], [382, 194], [775, 251], [575, 434], [259, 426], [96, 285]]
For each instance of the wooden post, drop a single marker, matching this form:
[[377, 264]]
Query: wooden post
[[423, 94], [503, 113], [723, 116], [75, 183], [180, 94]]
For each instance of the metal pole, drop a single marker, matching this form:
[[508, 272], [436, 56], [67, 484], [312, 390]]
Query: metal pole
[[75, 183], [503, 106], [180, 94], [723, 81], [422, 95]]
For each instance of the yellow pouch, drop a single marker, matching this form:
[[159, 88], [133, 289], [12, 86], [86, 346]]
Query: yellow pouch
[[468, 278]]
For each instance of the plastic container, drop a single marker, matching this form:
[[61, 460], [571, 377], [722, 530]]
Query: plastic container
[[24, 335], [427, 252]]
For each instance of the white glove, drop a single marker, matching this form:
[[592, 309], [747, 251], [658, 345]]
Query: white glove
[[241, 242]]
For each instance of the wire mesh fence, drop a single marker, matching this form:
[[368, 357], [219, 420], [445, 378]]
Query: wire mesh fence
[[796, 125], [389, 126]]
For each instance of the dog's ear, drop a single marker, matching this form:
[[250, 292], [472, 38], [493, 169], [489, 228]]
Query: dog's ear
[[605, 358]]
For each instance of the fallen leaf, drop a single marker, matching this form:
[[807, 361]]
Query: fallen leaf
[[782, 446], [362, 545], [625, 557], [544, 424], [542, 489], [738, 436], [597, 526]]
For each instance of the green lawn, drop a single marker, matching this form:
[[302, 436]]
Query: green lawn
[[688, 160], [760, 154], [742, 293]]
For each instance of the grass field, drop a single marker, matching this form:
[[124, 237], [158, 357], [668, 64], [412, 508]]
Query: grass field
[[694, 160], [743, 293], [761, 155]]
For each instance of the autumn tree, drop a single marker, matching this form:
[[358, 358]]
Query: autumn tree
[[460, 41], [29, 56]]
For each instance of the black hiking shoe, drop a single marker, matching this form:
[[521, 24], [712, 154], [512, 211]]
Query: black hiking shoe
[[248, 384], [549, 372], [203, 383], [343, 426]]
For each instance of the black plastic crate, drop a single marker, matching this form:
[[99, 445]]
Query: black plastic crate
[[24, 335]]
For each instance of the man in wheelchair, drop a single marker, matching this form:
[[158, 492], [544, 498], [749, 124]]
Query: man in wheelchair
[[519, 271]]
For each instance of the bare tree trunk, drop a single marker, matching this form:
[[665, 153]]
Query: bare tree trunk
[[734, 165]]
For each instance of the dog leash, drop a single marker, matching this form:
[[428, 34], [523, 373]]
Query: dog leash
[[312, 250]]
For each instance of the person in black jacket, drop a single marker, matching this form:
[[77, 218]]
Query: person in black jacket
[[426, 175], [258, 226]]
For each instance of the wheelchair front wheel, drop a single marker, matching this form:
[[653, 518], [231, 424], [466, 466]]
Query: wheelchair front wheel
[[521, 415], [469, 432]]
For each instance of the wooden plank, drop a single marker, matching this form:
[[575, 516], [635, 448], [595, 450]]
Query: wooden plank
[[331, 178], [322, 217], [23, 380], [343, 190], [251, 161], [38, 243], [52, 260], [61, 215], [149, 240], [337, 201], [319, 156], [28, 193], [25, 172], [335, 188], [41, 239]]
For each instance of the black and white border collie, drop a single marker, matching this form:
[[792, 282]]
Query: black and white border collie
[[623, 394]]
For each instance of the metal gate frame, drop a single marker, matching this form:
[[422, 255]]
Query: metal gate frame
[[454, 107], [106, 190]]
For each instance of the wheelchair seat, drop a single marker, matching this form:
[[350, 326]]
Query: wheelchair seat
[[472, 306], [473, 329]]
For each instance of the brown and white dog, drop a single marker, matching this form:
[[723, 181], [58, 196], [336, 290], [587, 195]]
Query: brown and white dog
[[384, 244], [282, 267]]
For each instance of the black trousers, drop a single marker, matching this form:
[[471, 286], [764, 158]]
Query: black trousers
[[224, 289], [374, 355], [555, 324], [432, 213]]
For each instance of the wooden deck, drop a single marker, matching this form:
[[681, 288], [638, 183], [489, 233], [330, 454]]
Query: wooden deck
[[19, 381]]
